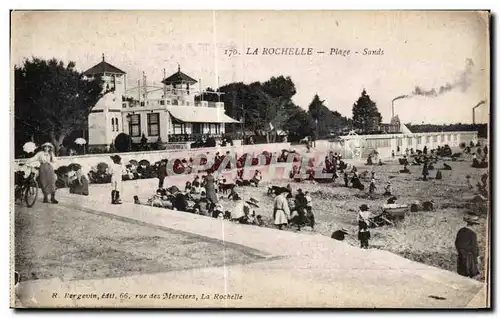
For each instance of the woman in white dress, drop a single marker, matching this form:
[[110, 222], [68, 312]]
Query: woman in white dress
[[281, 210]]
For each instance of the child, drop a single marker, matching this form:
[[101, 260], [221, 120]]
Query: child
[[308, 201], [116, 172], [469, 184], [363, 234], [162, 173], [310, 220], [388, 189], [372, 185]]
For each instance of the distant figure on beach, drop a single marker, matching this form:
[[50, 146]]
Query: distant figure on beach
[[468, 249], [210, 188], [388, 189], [372, 185], [425, 171]]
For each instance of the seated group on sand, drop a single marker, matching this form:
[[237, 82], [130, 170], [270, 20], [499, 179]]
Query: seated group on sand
[[202, 196]]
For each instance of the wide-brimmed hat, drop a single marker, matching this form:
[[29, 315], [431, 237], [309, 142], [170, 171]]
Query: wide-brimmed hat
[[363, 207], [116, 158], [47, 144], [471, 219], [299, 190], [253, 202]]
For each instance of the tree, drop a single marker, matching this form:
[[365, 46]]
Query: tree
[[365, 115], [326, 119], [273, 114], [299, 123], [51, 100], [280, 86], [259, 104]]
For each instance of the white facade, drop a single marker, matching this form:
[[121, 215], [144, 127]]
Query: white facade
[[105, 119], [169, 112]]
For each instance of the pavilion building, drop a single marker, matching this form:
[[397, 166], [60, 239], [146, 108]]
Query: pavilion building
[[173, 111]]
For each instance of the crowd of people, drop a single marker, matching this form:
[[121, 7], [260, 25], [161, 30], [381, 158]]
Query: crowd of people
[[204, 194]]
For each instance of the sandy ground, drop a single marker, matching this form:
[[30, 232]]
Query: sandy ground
[[426, 237], [55, 241]]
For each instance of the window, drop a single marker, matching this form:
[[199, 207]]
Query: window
[[214, 129], [175, 102], [116, 124], [168, 101], [196, 128], [154, 124], [124, 105], [142, 104], [434, 138], [179, 129], [162, 102], [135, 125], [112, 124]]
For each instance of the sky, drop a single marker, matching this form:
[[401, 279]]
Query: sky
[[424, 49]]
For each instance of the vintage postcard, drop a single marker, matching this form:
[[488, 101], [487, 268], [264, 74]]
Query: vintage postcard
[[250, 159]]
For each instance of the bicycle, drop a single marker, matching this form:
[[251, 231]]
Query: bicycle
[[26, 188]]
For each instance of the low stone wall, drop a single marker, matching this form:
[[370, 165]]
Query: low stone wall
[[89, 161]]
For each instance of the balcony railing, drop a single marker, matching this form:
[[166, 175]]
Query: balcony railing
[[209, 104]]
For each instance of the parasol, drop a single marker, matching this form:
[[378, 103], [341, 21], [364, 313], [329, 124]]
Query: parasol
[[80, 141], [29, 147]]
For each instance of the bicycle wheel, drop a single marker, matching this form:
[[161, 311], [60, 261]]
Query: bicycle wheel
[[31, 193]]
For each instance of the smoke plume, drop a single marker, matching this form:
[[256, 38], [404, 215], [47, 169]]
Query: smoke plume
[[462, 82]]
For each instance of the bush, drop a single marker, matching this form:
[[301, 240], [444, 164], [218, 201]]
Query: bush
[[96, 149], [74, 166], [160, 145], [210, 142], [122, 142], [102, 166], [197, 144]]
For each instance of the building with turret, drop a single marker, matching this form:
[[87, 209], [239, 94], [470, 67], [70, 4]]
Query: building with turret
[[173, 111], [106, 119]]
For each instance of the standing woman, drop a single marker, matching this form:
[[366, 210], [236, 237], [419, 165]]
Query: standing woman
[[46, 158], [210, 188], [468, 248], [281, 212]]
